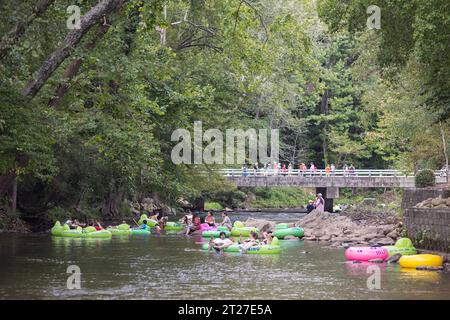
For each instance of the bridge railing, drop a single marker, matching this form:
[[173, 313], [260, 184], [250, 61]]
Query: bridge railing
[[233, 172]]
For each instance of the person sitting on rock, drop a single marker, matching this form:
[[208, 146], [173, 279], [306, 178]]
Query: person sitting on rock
[[310, 207]]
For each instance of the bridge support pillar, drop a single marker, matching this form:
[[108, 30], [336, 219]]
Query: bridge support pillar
[[328, 195]]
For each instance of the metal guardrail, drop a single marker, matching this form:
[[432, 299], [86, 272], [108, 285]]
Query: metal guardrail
[[322, 173]]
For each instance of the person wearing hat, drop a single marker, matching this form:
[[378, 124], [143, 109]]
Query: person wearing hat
[[310, 207]]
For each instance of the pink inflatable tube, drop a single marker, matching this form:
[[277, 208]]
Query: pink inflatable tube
[[206, 227], [366, 253]]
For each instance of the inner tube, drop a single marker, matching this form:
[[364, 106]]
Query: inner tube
[[174, 226], [72, 233], [420, 260], [403, 246], [101, 234], [150, 222], [245, 231], [236, 248], [137, 232], [119, 232], [57, 229], [296, 232], [281, 226], [366, 253], [238, 224], [215, 234]]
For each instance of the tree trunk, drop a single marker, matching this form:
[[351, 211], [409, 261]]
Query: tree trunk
[[444, 146], [324, 110], [19, 29], [6, 182], [14, 195], [72, 70], [58, 56]]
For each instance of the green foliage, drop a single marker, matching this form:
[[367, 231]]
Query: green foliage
[[213, 206], [425, 178], [280, 197], [341, 95]]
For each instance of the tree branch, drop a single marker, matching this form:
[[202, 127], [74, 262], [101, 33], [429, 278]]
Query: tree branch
[[13, 36], [55, 59]]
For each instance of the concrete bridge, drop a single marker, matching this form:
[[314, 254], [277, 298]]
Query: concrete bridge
[[327, 183]]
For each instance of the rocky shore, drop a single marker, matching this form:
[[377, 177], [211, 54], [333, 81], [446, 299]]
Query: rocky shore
[[345, 229]]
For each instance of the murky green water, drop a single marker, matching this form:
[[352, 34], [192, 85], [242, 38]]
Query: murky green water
[[173, 267]]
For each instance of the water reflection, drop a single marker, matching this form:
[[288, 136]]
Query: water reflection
[[360, 269]]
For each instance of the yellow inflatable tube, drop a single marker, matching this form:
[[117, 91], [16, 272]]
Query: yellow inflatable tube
[[420, 260]]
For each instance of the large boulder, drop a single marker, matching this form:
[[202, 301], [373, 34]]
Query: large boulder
[[261, 224]]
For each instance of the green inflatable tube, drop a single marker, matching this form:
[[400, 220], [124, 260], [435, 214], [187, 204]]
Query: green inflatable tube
[[403, 246], [265, 249], [150, 222], [403, 251], [244, 231], [119, 232], [296, 232], [174, 226], [101, 234], [57, 229], [281, 226], [215, 234], [137, 232]]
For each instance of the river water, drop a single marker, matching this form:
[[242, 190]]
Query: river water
[[172, 267]]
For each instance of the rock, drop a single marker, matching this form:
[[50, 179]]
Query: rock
[[370, 236], [428, 268], [376, 260], [448, 202], [394, 258], [393, 234], [325, 238], [382, 241], [262, 225], [435, 202], [147, 201], [228, 209], [369, 202]]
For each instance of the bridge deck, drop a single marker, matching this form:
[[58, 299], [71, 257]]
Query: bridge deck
[[322, 179]]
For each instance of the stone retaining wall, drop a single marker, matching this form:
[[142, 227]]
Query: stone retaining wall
[[428, 228], [413, 196]]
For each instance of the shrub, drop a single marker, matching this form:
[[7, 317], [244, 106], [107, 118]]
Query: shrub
[[425, 178]]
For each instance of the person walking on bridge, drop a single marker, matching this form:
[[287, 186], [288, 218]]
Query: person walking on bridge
[[327, 170], [312, 169], [333, 169]]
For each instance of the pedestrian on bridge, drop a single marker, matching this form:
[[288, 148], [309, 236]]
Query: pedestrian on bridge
[[327, 170], [312, 169]]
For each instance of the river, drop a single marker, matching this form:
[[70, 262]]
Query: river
[[172, 267]]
